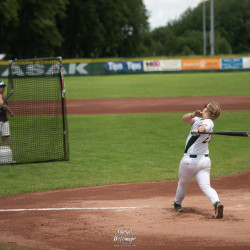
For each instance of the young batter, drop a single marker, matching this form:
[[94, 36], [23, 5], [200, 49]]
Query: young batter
[[196, 161]]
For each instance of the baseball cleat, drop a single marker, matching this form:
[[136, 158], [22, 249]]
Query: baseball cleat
[[178, 207], [218, 210]]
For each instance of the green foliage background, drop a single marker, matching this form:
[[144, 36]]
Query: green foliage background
[[117, 28]]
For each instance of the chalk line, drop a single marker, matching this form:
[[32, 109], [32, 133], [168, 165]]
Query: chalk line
[[70, 208]]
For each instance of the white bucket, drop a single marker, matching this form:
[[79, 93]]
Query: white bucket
[[5, 155]]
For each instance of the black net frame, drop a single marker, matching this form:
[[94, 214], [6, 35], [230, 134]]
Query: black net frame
[[36, 95]]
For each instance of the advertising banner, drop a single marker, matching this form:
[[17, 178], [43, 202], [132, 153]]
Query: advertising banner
[[85, 67], [246, 62], [162, 65], [69, 69], [201, 64], [231, 63], [115, 67]]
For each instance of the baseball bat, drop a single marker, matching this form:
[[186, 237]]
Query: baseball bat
[[242, 134], [10, 94]]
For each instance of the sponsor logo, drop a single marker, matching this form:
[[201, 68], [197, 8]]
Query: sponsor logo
[[123, 66], [40, 69]]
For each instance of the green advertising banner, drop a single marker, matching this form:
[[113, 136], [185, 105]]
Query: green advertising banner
[[69, 69], [81, 67]]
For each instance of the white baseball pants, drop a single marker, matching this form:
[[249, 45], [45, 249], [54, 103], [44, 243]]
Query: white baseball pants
[[195, 167]]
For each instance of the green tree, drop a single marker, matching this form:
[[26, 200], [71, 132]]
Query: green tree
[[232, 20], [232, 28], [103, 28], [134, 26], [36, 34], [116, 28], [9, 15]]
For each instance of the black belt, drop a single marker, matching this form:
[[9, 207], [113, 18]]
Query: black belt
[[195, 156]]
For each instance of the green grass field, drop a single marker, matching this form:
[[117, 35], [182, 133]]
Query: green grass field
[[30, 135], [159, 85], [7, 247], [106, 149]]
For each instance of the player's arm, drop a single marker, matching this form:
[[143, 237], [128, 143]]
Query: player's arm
[[5, 107], [1, 100], [196, 131], [189, 118]]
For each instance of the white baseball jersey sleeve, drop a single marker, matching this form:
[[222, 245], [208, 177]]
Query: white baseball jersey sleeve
[[198, 145]]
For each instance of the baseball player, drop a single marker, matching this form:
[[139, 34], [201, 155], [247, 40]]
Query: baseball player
[[4, 122], [196, 161]]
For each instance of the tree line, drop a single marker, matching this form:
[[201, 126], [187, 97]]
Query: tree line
[[116, 28]]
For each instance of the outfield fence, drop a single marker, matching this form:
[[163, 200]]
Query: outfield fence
[[74, 67]]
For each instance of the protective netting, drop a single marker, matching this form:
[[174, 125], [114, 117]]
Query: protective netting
[[38, 129]]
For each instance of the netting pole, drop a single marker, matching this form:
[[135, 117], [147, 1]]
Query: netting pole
[[11, 92], [63, 108]]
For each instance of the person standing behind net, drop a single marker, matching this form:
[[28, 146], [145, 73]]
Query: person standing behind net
[[4, 122], [196, 161]]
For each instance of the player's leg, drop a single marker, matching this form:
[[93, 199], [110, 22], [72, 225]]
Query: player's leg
[[186, 174], [5, 151], [5, 133], [1, 134], [5, 141], [203, 179]]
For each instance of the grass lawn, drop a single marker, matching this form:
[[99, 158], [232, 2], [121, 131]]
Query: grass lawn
[[7, 247], [107, 149], [159, 85]]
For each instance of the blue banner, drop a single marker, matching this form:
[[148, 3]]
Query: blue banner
[[135, 66], [231, 63]]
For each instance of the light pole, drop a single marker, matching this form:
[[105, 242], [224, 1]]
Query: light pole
[[212, 27], [204, 29]]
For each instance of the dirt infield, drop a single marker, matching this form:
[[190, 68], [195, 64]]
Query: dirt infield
[[90, 218], [137, 215], [151, 105]]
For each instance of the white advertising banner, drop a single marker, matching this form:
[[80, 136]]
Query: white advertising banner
[[246, 62], [162, 65]]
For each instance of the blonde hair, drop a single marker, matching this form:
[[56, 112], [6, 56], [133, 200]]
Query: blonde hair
[[214, 110]]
